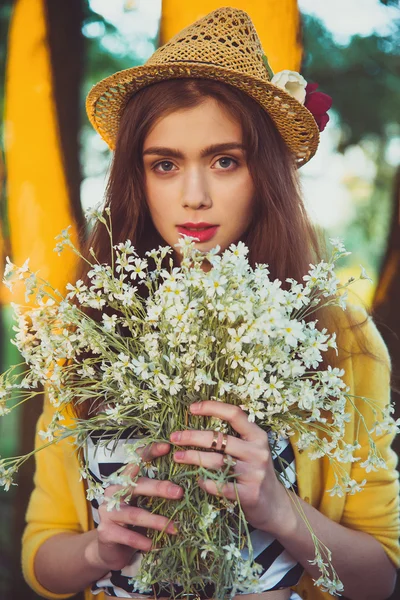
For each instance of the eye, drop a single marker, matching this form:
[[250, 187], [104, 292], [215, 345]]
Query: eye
[[165, 166], [226, 163]]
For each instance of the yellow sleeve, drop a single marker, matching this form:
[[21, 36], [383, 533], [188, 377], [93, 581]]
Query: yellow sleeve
[[51, 508], [375, 509]]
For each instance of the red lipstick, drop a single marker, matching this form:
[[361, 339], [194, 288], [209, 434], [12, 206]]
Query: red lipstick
[[201, 231]]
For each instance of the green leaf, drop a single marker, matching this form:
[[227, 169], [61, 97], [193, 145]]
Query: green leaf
[[266, 63]]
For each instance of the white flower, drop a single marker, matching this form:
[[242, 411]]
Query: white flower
[[203, 378], [238, 336], [337, 490], [327, 585], [113, 413], [215, 284], [47, 435], [141, 367], [125, 247], [224, 387], [208, 517], [292, 82], [338, 246], [342, 300], [373, 463], [231, 552], [239, 249], [87, 371], [174, 385], [109, 323], [10, 268], [137, 268], [96, 300], [118, 478], [293, 332], [346, 453], [353, 487], [112, 503], [6, 478], [77, 289], [273, 387], [364, 274], [4, 410], [141, 586], [24, 269], [9, 273], [153, 313], [307, 397], [206, 549], [94, 212], [150, 470], [131, 455]]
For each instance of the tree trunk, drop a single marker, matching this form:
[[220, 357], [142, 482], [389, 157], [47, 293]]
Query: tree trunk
[[56, 47], [386, 310]]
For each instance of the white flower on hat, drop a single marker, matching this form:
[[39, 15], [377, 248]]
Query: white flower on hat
[[292, 82]]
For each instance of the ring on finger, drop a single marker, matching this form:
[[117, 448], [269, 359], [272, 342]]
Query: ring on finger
[[224, 442], [215, 439]]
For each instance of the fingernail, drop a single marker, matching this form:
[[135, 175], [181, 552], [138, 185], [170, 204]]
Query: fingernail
[[179, 455], [174, 490], [176, 436], [162, 446], [172, 528], [195, 407]]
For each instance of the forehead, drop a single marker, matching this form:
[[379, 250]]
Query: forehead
[[205, 124]]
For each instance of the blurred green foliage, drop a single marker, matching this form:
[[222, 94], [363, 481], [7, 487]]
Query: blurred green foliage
[[363, 79], [100, 61], [5, 14]]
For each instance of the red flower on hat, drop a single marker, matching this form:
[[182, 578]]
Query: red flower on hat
[[318, 104]]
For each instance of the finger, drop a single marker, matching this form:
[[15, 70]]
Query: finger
[[204, 439], [209, 460], [147, 454], [234, 415], [139, 517], [228, 490], [160, 489], [154, 450], [111, 534]]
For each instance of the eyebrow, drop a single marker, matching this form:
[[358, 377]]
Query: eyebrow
[[214, 149]]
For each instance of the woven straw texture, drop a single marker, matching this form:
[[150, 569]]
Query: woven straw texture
[[222, 46]]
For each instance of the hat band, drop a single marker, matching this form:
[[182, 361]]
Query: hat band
[[196, 62], [207, 64]]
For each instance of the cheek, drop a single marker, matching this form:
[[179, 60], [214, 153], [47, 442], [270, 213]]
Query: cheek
[[242, 200], [157, 199]]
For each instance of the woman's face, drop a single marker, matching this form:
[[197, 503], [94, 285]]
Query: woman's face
[[196, 176]]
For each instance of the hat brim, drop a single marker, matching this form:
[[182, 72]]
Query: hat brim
[[107, 99]]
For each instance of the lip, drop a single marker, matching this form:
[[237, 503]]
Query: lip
[[198, 225], [201, 231]]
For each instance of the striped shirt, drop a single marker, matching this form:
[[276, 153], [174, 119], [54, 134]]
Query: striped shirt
[[280, 570]]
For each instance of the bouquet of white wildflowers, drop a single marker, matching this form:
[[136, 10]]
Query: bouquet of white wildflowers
[[232, 335]]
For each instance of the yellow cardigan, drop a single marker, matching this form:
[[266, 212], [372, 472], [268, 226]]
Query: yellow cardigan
[[58, 502]]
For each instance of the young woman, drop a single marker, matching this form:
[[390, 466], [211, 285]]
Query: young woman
[[206, 145]]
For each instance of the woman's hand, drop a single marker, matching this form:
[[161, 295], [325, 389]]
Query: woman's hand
[[115, 544], [264, 500]]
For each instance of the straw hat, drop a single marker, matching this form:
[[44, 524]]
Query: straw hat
[[222, 46]]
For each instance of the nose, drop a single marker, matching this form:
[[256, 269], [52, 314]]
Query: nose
[[196, 193]]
